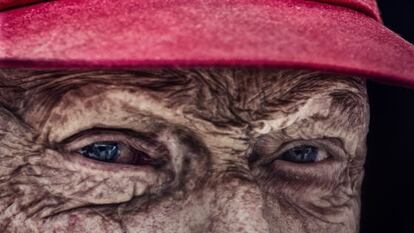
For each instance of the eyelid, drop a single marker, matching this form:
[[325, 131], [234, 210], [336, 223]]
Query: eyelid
[[136, 140], [332, 146]]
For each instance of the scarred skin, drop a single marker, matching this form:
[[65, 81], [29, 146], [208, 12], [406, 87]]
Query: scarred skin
[[219, 132]]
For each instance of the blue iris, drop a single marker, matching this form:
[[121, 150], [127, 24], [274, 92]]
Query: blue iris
[[102, 151], [301, 154]]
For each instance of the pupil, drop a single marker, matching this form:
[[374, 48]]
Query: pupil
[[102, 151], [301, 154]]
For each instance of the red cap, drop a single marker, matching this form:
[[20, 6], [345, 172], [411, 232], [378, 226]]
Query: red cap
[[344, 36]]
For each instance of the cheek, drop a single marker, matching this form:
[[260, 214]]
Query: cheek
[[296, 204], [164, 215], [281, 213]]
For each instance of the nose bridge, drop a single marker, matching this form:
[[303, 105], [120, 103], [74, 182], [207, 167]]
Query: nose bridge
[[237, 207]]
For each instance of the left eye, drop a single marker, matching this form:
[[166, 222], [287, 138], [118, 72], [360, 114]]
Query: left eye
[[304, 154], [102, 151]]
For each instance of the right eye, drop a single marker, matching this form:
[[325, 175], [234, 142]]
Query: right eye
[[116, 152], [117, 147]]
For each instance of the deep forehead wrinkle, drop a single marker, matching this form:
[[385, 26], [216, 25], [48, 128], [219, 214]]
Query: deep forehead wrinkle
[[224, 96]]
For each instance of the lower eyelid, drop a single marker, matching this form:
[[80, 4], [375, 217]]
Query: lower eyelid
[[323, 170]]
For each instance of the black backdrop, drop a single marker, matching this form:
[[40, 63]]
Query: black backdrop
[[388, 189]]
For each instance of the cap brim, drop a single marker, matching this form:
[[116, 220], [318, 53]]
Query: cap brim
[[275, 33]]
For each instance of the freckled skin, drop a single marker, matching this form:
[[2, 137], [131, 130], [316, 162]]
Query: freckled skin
[[221, 133]]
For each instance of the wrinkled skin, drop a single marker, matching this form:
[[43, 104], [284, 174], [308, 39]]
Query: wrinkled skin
[[219, 132]]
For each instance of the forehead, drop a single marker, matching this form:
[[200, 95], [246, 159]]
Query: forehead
[[223, 95], [236, 82], [239, 103]]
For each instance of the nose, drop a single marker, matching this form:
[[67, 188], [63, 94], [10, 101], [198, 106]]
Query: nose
[[237, 207]]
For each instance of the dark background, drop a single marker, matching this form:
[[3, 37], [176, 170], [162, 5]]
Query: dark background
[[388, 189]]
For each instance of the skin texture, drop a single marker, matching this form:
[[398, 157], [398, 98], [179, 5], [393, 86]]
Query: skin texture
[[219, 132]]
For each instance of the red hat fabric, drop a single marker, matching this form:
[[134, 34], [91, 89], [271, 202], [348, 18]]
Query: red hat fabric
[[8, 4], [344, 36]]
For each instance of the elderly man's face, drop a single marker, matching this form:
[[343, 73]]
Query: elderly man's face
[[202, 150]]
